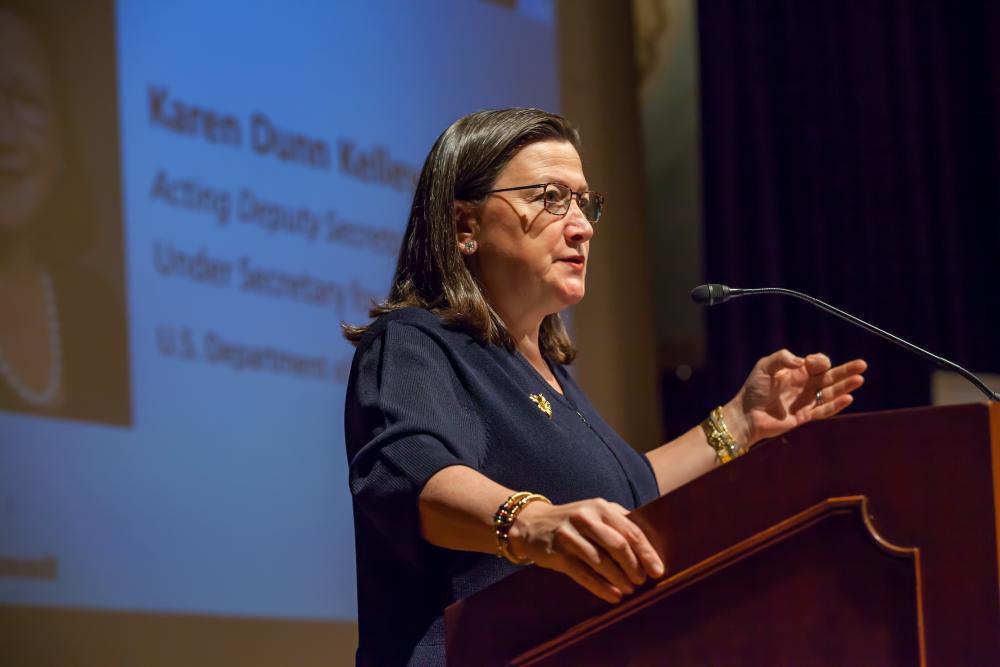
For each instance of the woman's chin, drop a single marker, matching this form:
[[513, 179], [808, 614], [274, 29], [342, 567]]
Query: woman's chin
[[572, 295]]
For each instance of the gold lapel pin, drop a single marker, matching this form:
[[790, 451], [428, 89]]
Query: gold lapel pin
[[542, 404]]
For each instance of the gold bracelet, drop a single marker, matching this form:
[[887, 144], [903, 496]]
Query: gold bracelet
[[504, 519], [719, 437]]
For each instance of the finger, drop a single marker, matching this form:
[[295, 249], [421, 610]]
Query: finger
[[834, 375], [650, 560], [585, 577], [836, 397], [845, 386], [818, 363], [589, 551], [775, 362], [833, 407], [619, 547]]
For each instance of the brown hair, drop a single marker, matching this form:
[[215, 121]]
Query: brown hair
[[463, 165]]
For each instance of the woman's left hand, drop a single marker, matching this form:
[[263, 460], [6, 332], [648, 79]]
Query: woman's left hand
[[781, 393]]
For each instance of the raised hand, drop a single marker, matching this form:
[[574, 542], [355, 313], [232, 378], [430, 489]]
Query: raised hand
[[784, 391]]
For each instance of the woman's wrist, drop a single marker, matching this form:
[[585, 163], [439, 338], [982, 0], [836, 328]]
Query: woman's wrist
[[738, 423], [509, 523]]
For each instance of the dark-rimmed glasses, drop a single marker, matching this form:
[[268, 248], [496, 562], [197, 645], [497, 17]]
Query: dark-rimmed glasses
[[557, 198]]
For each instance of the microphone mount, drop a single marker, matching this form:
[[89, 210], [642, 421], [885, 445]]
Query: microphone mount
[[713, 293]]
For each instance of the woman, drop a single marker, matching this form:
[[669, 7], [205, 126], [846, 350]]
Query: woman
[[459, 398]]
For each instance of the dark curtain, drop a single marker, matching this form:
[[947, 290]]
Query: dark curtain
[[852, 151]]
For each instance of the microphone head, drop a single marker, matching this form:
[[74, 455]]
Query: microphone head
[[710, 294]]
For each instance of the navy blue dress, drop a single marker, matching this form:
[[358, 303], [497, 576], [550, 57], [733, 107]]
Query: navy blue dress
[[421, 397]]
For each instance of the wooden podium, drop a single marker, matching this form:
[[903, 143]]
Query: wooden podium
[[868, 539]]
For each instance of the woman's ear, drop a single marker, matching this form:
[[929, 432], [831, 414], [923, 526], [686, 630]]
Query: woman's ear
[[466, 227]]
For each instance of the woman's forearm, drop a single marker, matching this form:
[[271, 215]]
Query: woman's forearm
[[689, 456], [592, 541], [681, 460], [457, 506]]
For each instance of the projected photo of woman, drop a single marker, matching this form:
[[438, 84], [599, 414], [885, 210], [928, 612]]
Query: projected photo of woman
[[63, 350], [472, 450]]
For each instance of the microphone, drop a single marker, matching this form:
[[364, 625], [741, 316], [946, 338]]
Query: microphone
[[714, 293]]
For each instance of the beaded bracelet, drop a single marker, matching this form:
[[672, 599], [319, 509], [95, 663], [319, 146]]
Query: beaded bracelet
[[719, 437], [504, 519]]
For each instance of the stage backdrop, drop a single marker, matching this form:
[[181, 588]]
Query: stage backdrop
[[245, 173]]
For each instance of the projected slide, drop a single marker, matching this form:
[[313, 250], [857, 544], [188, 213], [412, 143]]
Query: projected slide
[[193, 198]]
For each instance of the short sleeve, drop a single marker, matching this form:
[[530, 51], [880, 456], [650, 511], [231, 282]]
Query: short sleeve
[[408, 415]]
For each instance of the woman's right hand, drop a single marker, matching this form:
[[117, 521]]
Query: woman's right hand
[[592, 541]]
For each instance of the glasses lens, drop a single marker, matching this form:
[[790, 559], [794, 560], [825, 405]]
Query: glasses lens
[[557, 198], [591, 204]]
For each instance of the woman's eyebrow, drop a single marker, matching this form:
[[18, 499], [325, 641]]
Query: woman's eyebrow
[[560, 181]]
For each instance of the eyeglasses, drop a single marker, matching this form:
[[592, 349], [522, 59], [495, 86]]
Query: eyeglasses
[[557, 197]]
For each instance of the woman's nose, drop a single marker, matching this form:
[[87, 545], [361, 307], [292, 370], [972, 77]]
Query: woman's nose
[[578, 228]]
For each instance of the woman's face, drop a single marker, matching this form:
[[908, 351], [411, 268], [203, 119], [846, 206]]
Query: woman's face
[[531, 262], [29, 155]]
